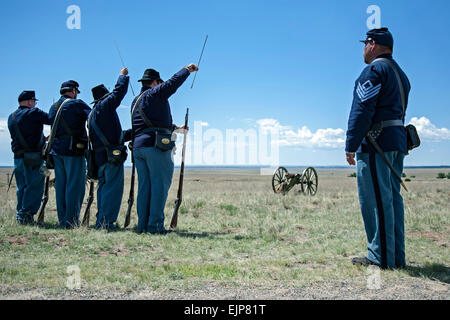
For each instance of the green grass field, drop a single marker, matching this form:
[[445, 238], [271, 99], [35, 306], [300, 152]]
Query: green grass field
[[235, 238]]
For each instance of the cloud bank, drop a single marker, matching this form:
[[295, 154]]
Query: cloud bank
[[428, 131], [303, 137], [329, 138]]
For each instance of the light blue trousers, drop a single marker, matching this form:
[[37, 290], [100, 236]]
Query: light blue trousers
[[155, 171], [70, 186], [30, 188], [382, 208], [109, 194]]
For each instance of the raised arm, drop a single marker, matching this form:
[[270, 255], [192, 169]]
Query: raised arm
[[112, 102], [169, 87]]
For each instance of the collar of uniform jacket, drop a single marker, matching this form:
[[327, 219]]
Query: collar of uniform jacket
[[385, 55]]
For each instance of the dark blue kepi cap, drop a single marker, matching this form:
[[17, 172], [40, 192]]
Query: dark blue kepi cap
[[27, 95], [380, 36], [69, 85]]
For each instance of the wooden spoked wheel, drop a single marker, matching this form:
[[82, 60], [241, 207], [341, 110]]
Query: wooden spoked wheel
[[279, 180], [310, 182]]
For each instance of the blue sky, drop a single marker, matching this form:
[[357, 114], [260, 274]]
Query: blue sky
[[283, 64]]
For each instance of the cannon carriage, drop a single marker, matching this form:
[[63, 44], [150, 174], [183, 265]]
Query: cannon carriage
[[283, 181]]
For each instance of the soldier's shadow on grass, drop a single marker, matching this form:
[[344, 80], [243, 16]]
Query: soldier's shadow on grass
[[186, 234], [47, 225], [194, 235], [433, 271], [210, 235]]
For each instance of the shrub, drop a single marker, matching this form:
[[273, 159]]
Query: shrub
[[448, 175], [441, 175], [353, 175], [403, 175]]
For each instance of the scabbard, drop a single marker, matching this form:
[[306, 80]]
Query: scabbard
[[381, 153], [10, 180]]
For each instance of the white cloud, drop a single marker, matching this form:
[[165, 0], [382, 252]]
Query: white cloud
[[428, 131], [5, 144], [5, 131], [289, 137], [271, 125], [4, 125]]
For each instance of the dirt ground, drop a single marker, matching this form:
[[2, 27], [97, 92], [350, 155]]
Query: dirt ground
[[417, 289]]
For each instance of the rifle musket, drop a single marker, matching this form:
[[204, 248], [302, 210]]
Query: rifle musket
[[179, 199]]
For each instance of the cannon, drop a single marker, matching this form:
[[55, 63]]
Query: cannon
[[283, 181]]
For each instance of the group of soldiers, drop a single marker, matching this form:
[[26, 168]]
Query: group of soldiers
[[377, 116], [79, 132]]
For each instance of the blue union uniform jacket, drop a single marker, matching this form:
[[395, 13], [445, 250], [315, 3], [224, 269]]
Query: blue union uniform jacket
[[75, 113], [377, 98], [31, 125], [156, 106], [106, 118]]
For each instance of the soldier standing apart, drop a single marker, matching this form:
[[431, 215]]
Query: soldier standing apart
[[108, 139], [68, 151], [377, 103], [152, 130], [26, 127]]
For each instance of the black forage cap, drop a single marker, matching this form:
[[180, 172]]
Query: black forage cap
[[380, 36], [150, 75], [99, 92]]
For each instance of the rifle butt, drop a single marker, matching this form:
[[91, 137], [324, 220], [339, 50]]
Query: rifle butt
[[87, 212], [131, 196], [130, 206], [174, 221], [127, 218], [86, 218], [41, 215]]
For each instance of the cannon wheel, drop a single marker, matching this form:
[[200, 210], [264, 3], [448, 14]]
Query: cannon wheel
[[310, 182], [279, 180]]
